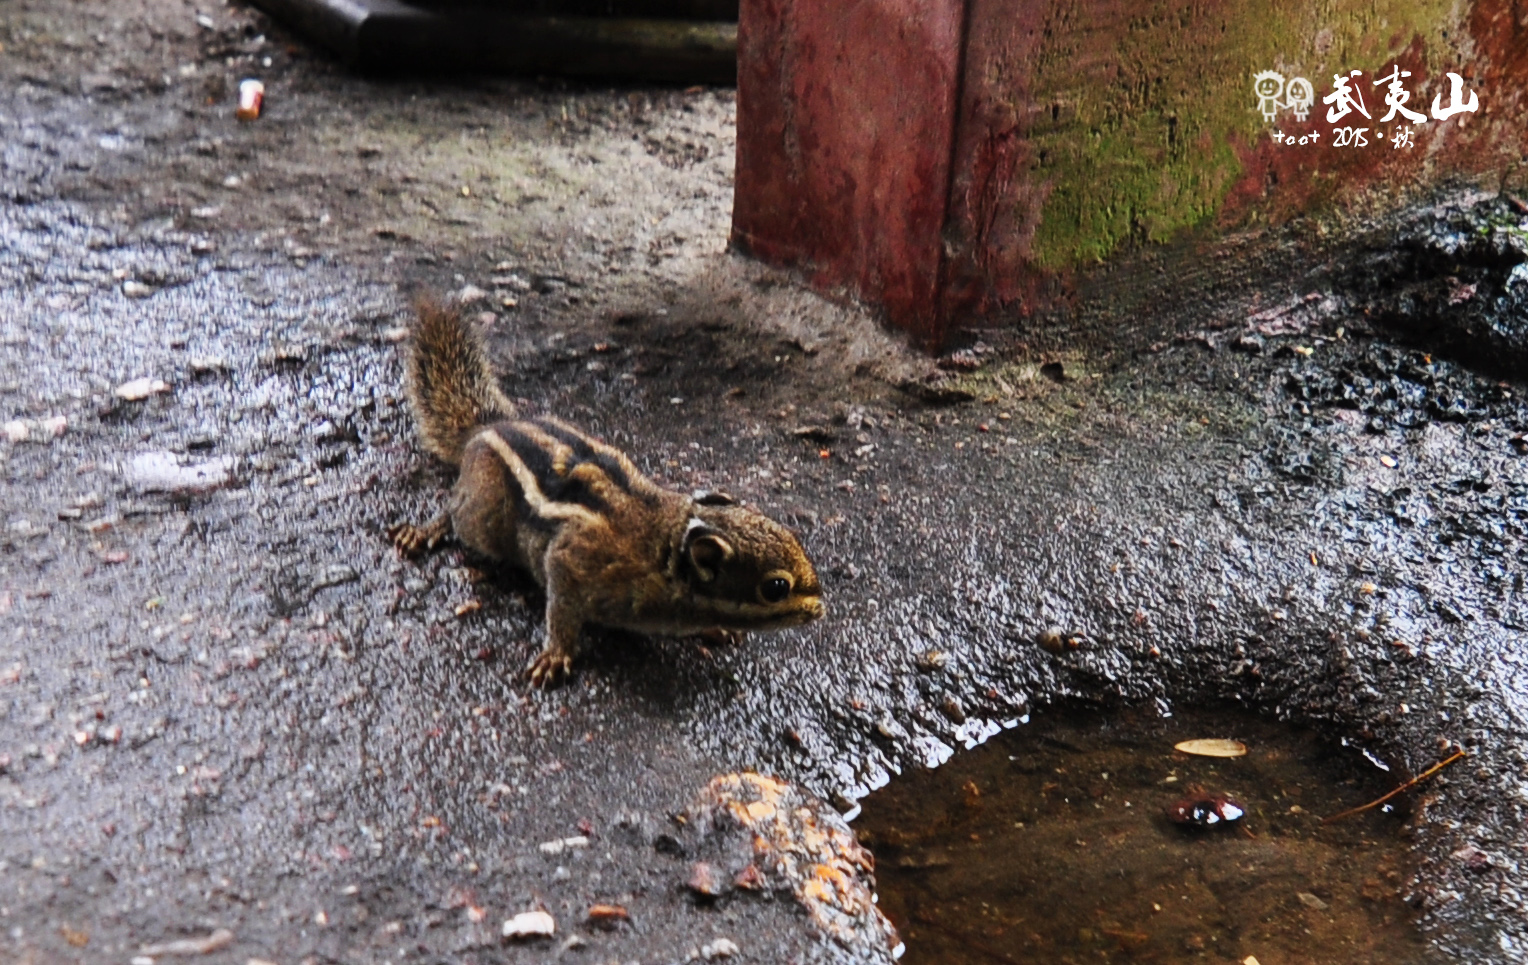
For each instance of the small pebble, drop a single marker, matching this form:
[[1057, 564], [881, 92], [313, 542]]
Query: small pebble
[[219, 939], [208, 364], [706, 880], [559, 845], [607, 916], [1311, 901], [932, 660], [530, 924], [1052, 640], [140, 389], [162, 472], [721, 948]]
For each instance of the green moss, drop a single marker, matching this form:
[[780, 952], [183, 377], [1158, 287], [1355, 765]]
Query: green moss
[[1140, 142]]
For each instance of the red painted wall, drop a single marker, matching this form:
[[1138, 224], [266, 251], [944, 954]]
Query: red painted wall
[[846, 114], [949, 158]]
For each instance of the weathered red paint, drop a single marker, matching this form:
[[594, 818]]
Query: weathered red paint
[[845, 119], [897, 148], [995, 199]]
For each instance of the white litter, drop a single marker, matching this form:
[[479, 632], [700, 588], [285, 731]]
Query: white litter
[[530, 924]]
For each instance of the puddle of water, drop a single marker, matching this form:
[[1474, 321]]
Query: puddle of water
[[1053, 844]]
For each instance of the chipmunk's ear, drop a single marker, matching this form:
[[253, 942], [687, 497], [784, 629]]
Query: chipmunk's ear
[[713, 498], [706, 549]]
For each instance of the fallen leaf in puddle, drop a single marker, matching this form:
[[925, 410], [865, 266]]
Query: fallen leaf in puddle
[[1212, 747]]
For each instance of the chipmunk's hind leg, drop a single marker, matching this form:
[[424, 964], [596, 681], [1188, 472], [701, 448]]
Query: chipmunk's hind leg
[[484, 503], [413, 540]]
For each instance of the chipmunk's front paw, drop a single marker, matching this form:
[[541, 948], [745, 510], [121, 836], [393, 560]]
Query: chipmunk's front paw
[[412, 540], [718, 637], [549, 669]]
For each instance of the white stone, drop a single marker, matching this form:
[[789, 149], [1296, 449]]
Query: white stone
[[162, 472], [530, 924], [139, 389]]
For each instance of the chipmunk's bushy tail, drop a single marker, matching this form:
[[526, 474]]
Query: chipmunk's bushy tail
[[450, 384]]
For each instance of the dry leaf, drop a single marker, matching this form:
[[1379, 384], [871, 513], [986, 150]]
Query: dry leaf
[[1212, 747]]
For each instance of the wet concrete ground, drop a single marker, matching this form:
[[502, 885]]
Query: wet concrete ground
[[236, 708]]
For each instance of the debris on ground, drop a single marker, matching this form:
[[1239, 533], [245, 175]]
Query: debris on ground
[[139, 389], [754, 828], [219, 939], [721, 948], [559, 845], [608, 916], [163, 472], [251, 100], [705, 880], [529, 924]]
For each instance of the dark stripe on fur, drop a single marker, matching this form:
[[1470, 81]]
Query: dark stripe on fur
[[556, 488], [586, 450]]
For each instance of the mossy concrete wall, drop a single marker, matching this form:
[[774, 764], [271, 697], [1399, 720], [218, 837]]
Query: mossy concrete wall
[[1041, 138]]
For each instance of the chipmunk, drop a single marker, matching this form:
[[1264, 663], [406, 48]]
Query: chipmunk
[[610, 546]]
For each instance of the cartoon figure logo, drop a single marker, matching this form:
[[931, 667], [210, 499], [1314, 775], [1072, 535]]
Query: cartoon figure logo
[[1274, 95], [1301, 95], [1268, 86]]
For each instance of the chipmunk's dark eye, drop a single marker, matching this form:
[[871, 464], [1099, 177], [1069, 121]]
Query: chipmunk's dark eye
[[775, 589]]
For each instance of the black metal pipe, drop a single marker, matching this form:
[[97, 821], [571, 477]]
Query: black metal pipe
[[391, 37]]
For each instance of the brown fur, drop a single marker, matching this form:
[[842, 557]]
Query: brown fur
[[611, 547], [450, 383]]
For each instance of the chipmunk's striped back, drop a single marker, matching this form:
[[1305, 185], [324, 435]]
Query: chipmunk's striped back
[[563, 473]]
